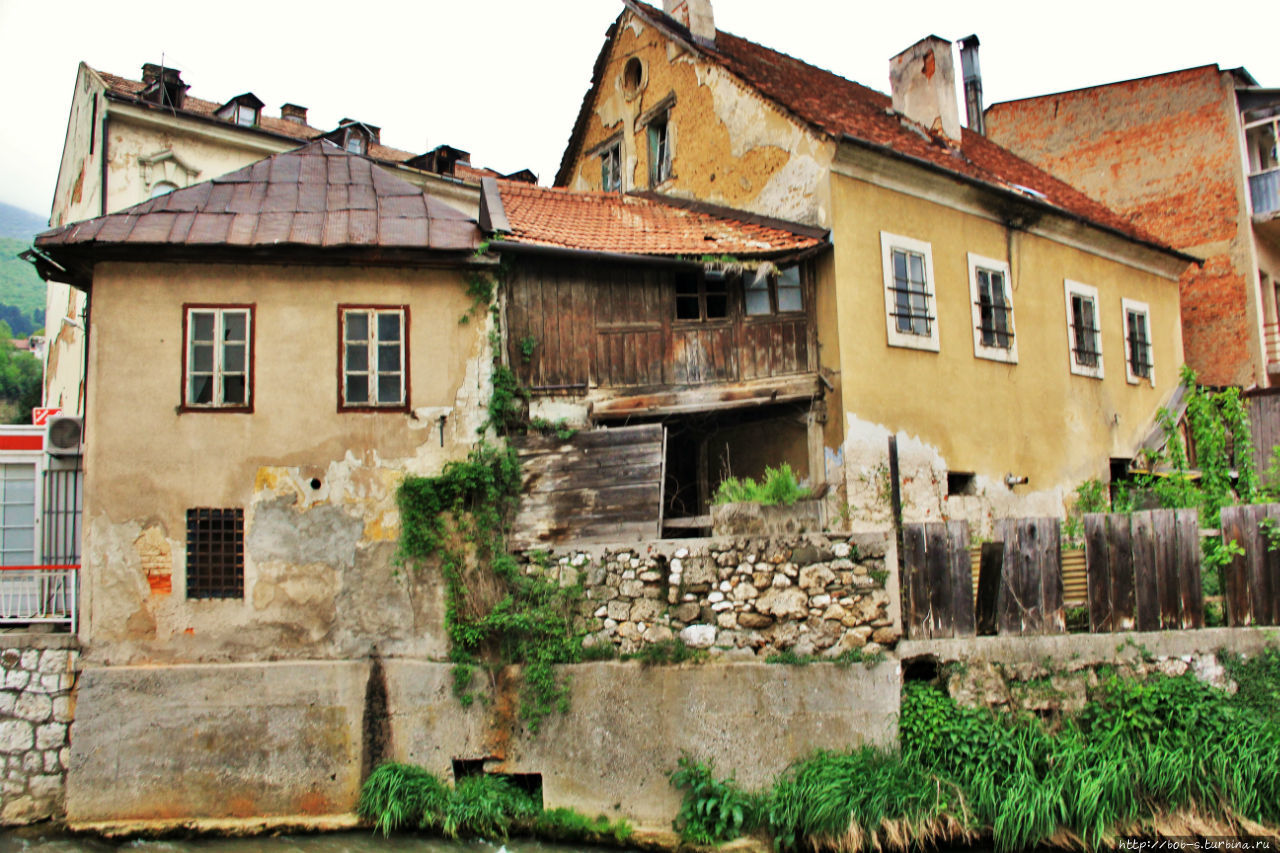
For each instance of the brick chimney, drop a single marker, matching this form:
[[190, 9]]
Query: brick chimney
[[923, 81], [293, 113], [696, 15]]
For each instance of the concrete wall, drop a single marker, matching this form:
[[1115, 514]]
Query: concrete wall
[[1166, 151], [168, 744], [37, 702], [954, 411], [729, 145], [317, 485], [285, 743]]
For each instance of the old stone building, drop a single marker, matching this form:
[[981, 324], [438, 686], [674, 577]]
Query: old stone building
[[1190, 156], [973, 305]]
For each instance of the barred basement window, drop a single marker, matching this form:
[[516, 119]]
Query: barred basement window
[[215, 553], [1084, 338], [1137, 341]]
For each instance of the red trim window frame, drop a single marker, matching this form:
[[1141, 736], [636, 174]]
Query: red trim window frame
[[224, 362], [361, 352]]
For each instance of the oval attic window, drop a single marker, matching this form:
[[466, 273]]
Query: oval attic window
[[632, 76]]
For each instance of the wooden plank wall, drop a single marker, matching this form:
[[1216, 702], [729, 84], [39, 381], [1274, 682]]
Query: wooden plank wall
[[1264, 423], [1143, 570], [613, 326], [600, 485], [1030, 592], [937, 580], [1251, 581]]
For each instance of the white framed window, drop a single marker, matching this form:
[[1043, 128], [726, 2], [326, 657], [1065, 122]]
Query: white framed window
[[991, 296], [374, 353], [1084, 329], [218, 357], [659, 148], [611, 168], [910, 308], [1138, 363]]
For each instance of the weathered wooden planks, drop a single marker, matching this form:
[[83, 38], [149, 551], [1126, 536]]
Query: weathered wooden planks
[[598, 486], [1143, 570], [1030, 593], [937, 582], [1251, 581]]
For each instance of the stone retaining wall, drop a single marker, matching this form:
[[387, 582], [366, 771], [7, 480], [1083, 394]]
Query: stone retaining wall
[[36, 709], [742, 598]]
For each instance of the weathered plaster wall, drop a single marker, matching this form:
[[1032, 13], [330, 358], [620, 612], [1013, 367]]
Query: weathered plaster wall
[[225, 741], [729, 146], [628, 725], [955, 411], [286, 744], [37, 703], [739, 598], [317, 485], [1165, 151]]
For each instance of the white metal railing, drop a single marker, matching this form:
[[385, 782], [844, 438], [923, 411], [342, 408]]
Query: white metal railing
[[1264, 188], [38, 594]]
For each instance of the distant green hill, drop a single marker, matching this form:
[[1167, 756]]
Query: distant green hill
[[19, 224], [21, 290]]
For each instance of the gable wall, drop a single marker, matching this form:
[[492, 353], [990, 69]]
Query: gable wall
[[729, 145]]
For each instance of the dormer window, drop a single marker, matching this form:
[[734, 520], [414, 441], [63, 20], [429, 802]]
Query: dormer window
[[354, 136], [355, 142], [242, 110]]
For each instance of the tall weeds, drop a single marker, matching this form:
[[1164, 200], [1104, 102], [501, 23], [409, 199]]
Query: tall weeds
[[1140, 752]]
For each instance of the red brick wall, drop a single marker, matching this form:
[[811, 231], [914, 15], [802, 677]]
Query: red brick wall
[[1162, 150]]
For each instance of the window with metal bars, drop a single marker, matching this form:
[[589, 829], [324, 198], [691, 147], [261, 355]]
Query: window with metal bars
[[1084, 329], [994, 310], [218, 357], [911, 293], [374, 357], [215, 553], [1137, 333]]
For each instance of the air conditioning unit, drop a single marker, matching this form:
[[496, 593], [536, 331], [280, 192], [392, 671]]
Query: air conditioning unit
[[64, 436]]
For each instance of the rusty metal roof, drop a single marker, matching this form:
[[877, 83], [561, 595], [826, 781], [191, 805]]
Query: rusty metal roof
[[317, 196]]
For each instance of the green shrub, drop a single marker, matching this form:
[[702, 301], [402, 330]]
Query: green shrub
[[712, 810], [780, 486], [666, 652]]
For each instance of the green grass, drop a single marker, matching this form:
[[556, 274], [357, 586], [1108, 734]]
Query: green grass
[[780, 486], [399, 797], [1139, 751]]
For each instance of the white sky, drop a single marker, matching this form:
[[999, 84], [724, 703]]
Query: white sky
[[503, 79]]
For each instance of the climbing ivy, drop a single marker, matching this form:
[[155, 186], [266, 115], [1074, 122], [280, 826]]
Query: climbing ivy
[[495, 614]]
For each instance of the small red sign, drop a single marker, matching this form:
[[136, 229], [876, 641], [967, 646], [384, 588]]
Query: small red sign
[[40, 416]]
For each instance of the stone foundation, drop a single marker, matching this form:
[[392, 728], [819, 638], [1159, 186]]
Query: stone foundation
[[36, 709], [742, 598]]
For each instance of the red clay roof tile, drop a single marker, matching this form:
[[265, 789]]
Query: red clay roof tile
[[610, 222]]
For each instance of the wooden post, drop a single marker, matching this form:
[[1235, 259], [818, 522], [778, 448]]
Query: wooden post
[[915, 594], [895, 489], [961, 578]]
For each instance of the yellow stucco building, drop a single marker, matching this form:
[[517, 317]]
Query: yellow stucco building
[[1014, 335]]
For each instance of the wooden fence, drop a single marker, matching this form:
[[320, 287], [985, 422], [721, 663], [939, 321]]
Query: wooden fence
[[937, 582], [1251, 581], [1143, 570]]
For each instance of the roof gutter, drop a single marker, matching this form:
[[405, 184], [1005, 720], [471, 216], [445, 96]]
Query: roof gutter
[[1042, 206]]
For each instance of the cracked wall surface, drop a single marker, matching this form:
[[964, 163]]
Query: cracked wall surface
[[317, 486]]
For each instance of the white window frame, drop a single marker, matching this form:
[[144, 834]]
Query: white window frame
[[896, 338], [1133, 306], [218, 371], [1076, 288], [611, 166], [372, 344], [1008, 355], [660, 166]]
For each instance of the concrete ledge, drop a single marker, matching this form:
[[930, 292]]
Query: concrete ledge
[[1092, 648], [38, 640], [628, 725], [235, 827], [175, 744]]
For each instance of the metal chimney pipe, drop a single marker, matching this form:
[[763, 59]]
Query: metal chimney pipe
[[972, 84]]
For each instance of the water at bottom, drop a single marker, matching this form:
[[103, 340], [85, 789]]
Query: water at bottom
[[38, 840]]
